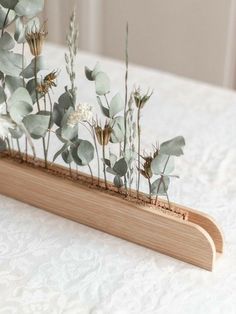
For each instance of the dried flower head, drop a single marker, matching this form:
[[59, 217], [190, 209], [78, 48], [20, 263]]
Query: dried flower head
[[83, 113], [141, 99], [48, 82], [5, 124], [35, 39], [103, 134], [147, 171]]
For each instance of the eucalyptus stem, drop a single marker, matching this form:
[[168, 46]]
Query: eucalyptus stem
[[96, 149], [23, 62], [49, 131], [161, 180], [104, 166], [18, 147], [126, 95], [139, 149], [9, 146], [36, 82], [150, 189], [5, 22], [70, 169], [26, 148], [91, 173], [167, 196]]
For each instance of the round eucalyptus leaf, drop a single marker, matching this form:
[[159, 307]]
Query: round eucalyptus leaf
[[48, 114], [3, 14], [162, 164], [16, 133], [116, 105], [65, 101], [69, 133], [60, 151], [173, 147], [29, 71], [66, 156], [102, 83], [104, 110], [3, 145], [19, 31], [113, 159], [10, 63], [118, 130], [118, 182], [120, 167], [37, 125], [29, 8], [57, 114], [20, 104], [2, 95], [9, 4], [85, 152], [91, 74], [160, 186], [30, 86], [13, 83], [6, 42]]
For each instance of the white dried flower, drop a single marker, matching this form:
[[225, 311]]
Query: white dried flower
[[83, 113], [5, 124]]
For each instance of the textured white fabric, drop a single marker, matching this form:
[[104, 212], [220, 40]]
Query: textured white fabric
[[52, 265]]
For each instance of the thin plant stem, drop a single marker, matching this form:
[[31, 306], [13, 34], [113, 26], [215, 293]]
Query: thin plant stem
[[104, 166], [161, 179], [70, 170], [23, 62], [5, 22], [126, 94], [96, 149], [150, 189], [107, 102], [167, 196], [49, 131], [91, 173], [9, 146], [18, 147], [139, 149], [26, 149]]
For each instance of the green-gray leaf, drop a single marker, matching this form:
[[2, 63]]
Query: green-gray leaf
[[118, 130], [162, 163], [6, 42], [102, 83], [3, 145], [37, 125], [104, 110], [60, 151], [13, 83], [29, 8], [10, 18], [85, 152], [118, 182], [20, 105], [9, 4], [16, 133], [160, 186], [116, 105], [2, 95], [10, 63], [173, 147], [120, 167], [66, 156], [29, 71], [91, 74]]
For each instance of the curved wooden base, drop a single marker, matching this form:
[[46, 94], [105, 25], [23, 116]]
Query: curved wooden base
[[195, 240]]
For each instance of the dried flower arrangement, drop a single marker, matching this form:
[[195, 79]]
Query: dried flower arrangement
[[28, 111]]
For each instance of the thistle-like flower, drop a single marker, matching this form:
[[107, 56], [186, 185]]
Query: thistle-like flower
[[141, 99], [103, 134], [5, 124], [83, 113], [47, 83], [35, 39]]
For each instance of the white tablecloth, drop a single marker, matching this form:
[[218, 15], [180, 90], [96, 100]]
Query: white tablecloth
[[52, 265]]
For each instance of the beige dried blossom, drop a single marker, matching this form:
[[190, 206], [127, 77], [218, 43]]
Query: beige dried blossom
[[103, 134], [83, 113], [35, 40]]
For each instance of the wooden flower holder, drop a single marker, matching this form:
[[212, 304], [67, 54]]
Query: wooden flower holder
[[185, 234]]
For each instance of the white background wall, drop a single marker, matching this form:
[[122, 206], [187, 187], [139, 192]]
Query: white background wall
[[192, 38]]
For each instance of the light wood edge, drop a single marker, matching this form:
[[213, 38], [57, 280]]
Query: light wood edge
[[208, 240]]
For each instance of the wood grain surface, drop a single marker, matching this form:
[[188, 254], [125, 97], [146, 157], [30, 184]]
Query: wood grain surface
[[195, 241]]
